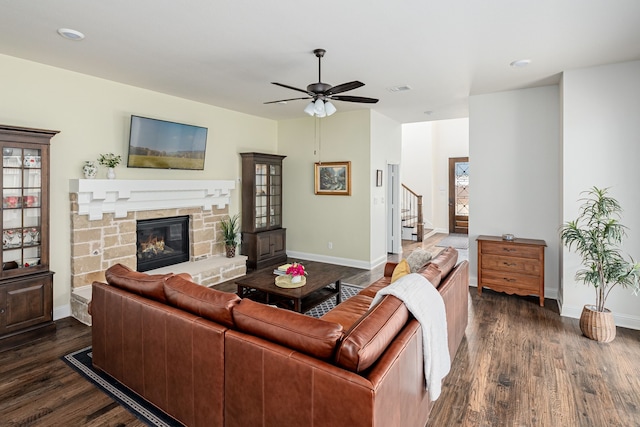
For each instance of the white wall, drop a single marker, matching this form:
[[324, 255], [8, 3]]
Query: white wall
[[386, 141], [93, 116], [451, 139], [514, 152], [417, 165], [601, 147], [426, 149]]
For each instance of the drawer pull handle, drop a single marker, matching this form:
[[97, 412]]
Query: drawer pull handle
[[508, 249], [508, 279], [510, 264]]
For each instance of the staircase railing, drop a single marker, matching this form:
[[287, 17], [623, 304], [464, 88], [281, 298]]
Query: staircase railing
[[411, 208]]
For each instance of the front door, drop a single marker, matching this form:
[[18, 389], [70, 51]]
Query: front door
[[459, 195]]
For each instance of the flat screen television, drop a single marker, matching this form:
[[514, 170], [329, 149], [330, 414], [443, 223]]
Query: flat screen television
[[165, 145]]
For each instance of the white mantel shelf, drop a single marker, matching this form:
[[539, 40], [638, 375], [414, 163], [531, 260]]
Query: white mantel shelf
[[121, 196]]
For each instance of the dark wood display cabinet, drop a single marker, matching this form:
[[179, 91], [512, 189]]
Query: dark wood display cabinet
[[26, 284], [264, 241]]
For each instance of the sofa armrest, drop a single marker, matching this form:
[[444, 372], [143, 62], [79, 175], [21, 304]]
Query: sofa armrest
[[388, 269]]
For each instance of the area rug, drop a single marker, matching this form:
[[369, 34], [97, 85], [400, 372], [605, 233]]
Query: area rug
[[80, 361], [458, 241], [347, 291]]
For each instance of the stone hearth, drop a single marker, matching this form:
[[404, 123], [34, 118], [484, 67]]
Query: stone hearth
[[103, 229]]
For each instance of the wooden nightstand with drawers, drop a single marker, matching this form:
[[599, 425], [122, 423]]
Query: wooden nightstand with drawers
[[512, 266]]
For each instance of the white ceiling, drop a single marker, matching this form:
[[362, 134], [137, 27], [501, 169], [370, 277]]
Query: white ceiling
[[226, 52]]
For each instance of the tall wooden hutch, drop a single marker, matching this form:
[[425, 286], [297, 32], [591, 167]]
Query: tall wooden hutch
[[26, 284], [263, 238]]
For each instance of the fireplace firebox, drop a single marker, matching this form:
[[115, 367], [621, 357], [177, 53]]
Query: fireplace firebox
[[161, 242]]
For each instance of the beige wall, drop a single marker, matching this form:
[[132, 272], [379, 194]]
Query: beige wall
[[313, 221], [354, 225], [93, 116]]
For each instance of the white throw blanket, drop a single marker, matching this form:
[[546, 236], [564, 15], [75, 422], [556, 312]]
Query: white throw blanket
[[424, 301]]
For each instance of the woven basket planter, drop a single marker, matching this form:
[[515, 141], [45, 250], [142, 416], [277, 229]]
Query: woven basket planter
[[231, 251], [597, 325]]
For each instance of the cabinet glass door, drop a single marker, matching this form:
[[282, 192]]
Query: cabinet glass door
[[275, 195], [21, 210], [261, 196]]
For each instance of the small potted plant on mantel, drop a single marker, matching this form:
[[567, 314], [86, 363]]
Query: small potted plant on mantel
[[110, 160], [231, 234], [596, 235]]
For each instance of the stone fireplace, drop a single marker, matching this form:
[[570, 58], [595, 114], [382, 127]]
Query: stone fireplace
[[104, 221]]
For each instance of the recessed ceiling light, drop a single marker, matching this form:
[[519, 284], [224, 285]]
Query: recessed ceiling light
[[70, 34], [399, 88], [520, 63]]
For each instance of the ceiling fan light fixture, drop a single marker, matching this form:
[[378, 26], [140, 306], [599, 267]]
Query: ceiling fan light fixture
[[319, 108], [310, 109], [329, 108]]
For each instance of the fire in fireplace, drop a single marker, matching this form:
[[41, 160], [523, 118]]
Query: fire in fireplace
[[162, 242]]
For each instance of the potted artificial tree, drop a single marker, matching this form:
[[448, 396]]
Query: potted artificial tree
[[596, 235], [231, 234]]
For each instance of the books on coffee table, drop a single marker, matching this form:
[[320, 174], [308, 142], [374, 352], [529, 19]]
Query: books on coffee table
[[282, 270]]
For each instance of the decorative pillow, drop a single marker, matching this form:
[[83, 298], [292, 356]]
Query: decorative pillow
[[315, 337], [200, 300], [402, 269], [146, 285], [417, 259]]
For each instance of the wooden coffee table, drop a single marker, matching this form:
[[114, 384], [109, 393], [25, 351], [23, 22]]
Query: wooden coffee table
[[323, 282]]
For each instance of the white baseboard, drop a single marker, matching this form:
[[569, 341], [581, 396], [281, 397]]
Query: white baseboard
[[61, 312], [624, 320], [339, 261]]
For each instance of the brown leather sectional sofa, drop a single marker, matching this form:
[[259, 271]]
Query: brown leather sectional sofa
[[208, 358]]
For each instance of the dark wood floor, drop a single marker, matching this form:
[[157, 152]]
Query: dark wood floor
[[519, 365]]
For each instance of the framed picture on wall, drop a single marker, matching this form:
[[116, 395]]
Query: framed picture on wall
[[333, 178]]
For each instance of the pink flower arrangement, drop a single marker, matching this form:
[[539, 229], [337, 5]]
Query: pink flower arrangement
[[296, 270]]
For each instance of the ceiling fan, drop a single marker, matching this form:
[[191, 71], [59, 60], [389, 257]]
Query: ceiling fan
[[322, 93]]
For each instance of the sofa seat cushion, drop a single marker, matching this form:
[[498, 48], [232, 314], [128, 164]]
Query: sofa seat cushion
[[205, 302], [146, 285], [348, 312], [446, 260], [315, 337], [373, 288], [365, 342]]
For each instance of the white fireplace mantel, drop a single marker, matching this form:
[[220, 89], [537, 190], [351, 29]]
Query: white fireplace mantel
[[121, 196]]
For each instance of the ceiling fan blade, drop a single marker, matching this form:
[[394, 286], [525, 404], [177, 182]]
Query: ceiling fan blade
[[291, 87], [354, 99], [345, 87], [285, 100]]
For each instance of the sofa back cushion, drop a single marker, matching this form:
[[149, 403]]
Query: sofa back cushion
[[432, 273], [315, 337], [200, 300], [365, 342], [446, 260], [146, 285]]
